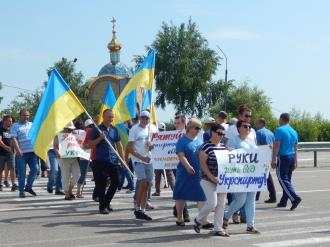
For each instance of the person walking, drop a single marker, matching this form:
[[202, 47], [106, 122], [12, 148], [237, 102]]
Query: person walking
[[187, 185], [285, 160], [240, 199], [107, 163], [24, 153], [266, 137], [214, 200]]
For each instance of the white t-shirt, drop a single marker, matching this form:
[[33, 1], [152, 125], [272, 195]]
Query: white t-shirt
[[225, 125], [140, 136], [232, 132]]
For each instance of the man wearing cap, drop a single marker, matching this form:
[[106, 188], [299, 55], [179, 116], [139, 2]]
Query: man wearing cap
[[106, 163], [285, 160], [222, 119], [207, 128], [139, 146], [24, 153]]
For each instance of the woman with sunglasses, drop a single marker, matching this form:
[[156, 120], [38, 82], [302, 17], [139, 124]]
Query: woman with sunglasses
[[187, 187], [240, 199], [214, 201]]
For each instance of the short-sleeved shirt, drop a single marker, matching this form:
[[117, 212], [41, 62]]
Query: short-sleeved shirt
[[208, 148], [232, 132], [6, 139], [20, 131], [103, 151], [265, 137], [140, 136], [288, 138], [190, 148], [237, 143], [87, 138]]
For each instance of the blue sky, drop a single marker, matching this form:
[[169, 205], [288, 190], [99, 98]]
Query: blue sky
[[280, 46]]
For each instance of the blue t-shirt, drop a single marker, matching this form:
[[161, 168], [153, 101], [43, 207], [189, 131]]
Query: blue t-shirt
[[103, 151], [190, 148], [20, 130], [265, 137], [287, 137]]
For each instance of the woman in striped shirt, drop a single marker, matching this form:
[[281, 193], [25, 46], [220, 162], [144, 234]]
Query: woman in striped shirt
[[214, 201]]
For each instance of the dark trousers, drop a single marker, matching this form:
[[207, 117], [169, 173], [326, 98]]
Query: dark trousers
[[271, 189], [103, 170], [284, 169], [158, 176], [95, 191]]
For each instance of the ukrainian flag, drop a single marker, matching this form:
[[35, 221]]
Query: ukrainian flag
[[143, 78], [108, 103], [58, 106], [146, 105]]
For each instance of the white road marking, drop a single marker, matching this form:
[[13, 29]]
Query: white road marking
[[297, 242]]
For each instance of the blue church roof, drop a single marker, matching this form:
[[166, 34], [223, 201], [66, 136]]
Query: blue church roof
[[118, 69]]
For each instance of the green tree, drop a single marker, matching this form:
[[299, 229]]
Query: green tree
[[184, 66], [1, 98]]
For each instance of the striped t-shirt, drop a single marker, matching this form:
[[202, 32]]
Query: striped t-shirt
[[208, 148], [20, 131]]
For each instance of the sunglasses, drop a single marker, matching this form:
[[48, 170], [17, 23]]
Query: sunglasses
[[245, 126], [248, 116], [220, 133]]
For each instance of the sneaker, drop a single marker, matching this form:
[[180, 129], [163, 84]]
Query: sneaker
[[6, 184], [30, 191], [59, 193], [270, 201], [138, 214], [49, 190], [295, 203], [103, 211], [281, 205], [110, 209], [22, 195], [14, 187], [146, 217]]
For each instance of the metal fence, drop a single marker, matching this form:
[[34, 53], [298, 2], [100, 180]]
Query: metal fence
[[314, 147]]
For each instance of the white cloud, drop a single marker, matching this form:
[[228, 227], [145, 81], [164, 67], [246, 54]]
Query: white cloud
[[233, 34]]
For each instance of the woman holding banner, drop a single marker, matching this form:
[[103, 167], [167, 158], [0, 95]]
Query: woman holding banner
[[187, 187], [209, 164], [246, 199]]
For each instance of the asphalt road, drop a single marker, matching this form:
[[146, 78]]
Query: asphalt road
[[48, 220]]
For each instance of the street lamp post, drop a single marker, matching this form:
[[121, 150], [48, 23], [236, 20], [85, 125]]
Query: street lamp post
[[226, 73]]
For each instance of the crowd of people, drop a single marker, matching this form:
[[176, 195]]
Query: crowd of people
[[194, 180]]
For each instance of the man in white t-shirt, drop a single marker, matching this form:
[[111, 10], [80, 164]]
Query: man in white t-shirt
[[222, 119], [139, 146]]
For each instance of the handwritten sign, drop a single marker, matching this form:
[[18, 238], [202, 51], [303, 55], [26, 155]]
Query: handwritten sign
[[243, 170], [70, 145], [164, 152]]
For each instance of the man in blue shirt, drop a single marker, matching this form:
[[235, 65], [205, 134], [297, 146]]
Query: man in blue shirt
[[285, 160], [24, 153], [266, 137], [106, 163]]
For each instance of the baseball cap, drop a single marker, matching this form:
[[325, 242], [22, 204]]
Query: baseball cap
[[70, 125], [162, 126], [145, 114], [209, 120], [88, 122], [223, 114]]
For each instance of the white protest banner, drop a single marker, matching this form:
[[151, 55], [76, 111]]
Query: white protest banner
[[243, 170], [70, 145], [164, 152]]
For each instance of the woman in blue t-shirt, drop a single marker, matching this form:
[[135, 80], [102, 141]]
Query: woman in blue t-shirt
[[187, 186], [246, 199]]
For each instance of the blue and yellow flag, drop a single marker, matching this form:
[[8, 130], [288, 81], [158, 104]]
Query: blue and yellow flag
[[58, 106], [108, 103], [146, 105], [143, 78]]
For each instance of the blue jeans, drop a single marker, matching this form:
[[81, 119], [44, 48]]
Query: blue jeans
[[124, 173], [284, 169], [54, 175], [246, 199], [32, 161], [83, 164]]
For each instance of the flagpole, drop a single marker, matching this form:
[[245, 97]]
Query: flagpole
[[109, 143]]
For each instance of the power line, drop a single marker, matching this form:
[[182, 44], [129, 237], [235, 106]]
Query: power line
[[19, 88]]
